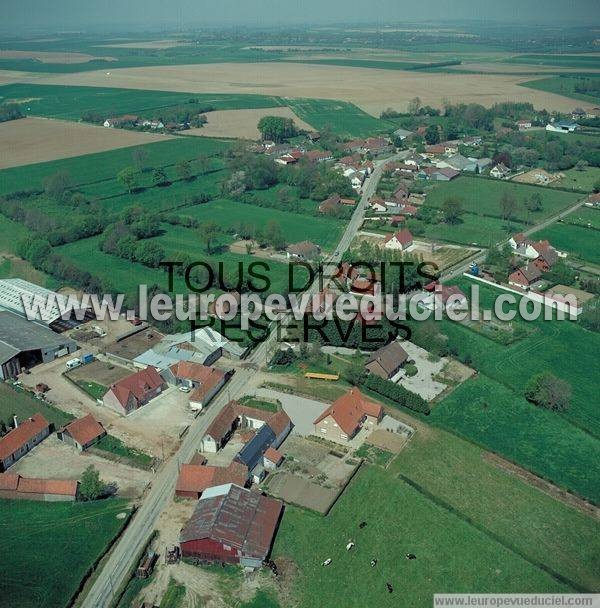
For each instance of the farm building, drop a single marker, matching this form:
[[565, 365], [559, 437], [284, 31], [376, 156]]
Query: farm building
[[22, 439], [82, 433], [53, 309], [346, 416], [401, 240], [47, 490], [24, 344], [203, 346], [204, 382], [234, 415], [305, 250], [194, 479], [232, 524], [132, 392], [386, 361], [272, 458], [525, 277]]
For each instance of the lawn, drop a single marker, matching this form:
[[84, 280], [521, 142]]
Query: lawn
[[344, 118], [93, 389], [72, 537], [494, 416], [584, 216], [102, 166], [536, 525], [17, 401], [452, 555], [579, 241], [324, 231], [67, 102], [482, 197]]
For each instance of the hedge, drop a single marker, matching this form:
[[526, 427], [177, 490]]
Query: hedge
[[398, 394]]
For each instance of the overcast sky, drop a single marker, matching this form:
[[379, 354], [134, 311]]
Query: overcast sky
[[85, 14]]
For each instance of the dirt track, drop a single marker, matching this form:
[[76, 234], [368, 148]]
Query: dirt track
[[35, 140], [371, 89]]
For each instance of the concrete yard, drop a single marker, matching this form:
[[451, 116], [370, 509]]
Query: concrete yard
[[53, 459]]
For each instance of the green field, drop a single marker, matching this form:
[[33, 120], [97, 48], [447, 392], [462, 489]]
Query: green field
[[558, 60], [55, 101], [560, 347], [24, 405], [344, 119], [584, 216], [52, 546], [472, 230], [104, 166], [323, 231], [579, 241], [535, 525], [373, 63], [452, 555], [483, 196], [496, 417], [561, 85], [582, 180]]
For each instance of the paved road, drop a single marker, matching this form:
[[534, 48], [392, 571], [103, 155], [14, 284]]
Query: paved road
[[122, 558]]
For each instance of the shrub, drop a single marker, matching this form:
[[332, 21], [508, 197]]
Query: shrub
[[411, 370], [398, 394]]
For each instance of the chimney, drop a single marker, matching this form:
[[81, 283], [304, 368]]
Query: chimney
[[15, 422]]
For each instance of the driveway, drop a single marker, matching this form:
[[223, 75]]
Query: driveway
[[423, 382], [301, 411]]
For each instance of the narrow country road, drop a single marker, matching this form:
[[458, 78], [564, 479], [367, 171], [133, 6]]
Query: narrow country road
[[122, 558]]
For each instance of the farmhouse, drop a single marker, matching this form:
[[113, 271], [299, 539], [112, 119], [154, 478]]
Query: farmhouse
[[272, 458], [319, 156], [386, 361], [523, 124], [334, 202], [47, 490], [305, 250], [401, 240], [376, 146], [444, 296], [24, 344], [54, 310], [346, 416], [525, 277], [542, 252], [22, 439], [204, 382], [562, 126], [193, 479], [232, 524], [235, 415], [473, 141], [402, 134], [133, 392], [499, 171], [82, 433]]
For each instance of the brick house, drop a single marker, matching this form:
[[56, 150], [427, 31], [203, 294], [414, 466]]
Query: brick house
[[133, 392]]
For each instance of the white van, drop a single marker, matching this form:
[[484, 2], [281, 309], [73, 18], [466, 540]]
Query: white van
[[73, 363]]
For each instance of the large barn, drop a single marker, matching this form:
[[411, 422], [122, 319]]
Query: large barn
[[232, 524], [56, 311], [24, 344]]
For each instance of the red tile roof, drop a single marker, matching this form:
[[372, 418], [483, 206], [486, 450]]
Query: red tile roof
[[18, 437], [349, 409], [139, 385], [26, 485], [208, 377], [85, 429], [403, 236], [275, 456]]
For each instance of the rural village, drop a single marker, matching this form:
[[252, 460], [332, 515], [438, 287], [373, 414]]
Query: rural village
[[347, 463]]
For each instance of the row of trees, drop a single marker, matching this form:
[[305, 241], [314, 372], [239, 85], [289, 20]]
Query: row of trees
[[10, 111]]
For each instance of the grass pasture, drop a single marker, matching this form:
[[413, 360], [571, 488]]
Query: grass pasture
[[483, 196], [73, 536], [494, 416], [543, 529], [324, 231], [452, 555], [579, 241], [104, 166]]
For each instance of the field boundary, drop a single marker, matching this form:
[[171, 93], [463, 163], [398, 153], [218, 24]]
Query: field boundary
[[440, 502]]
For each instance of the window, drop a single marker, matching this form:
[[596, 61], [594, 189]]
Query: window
[[323, 430]]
